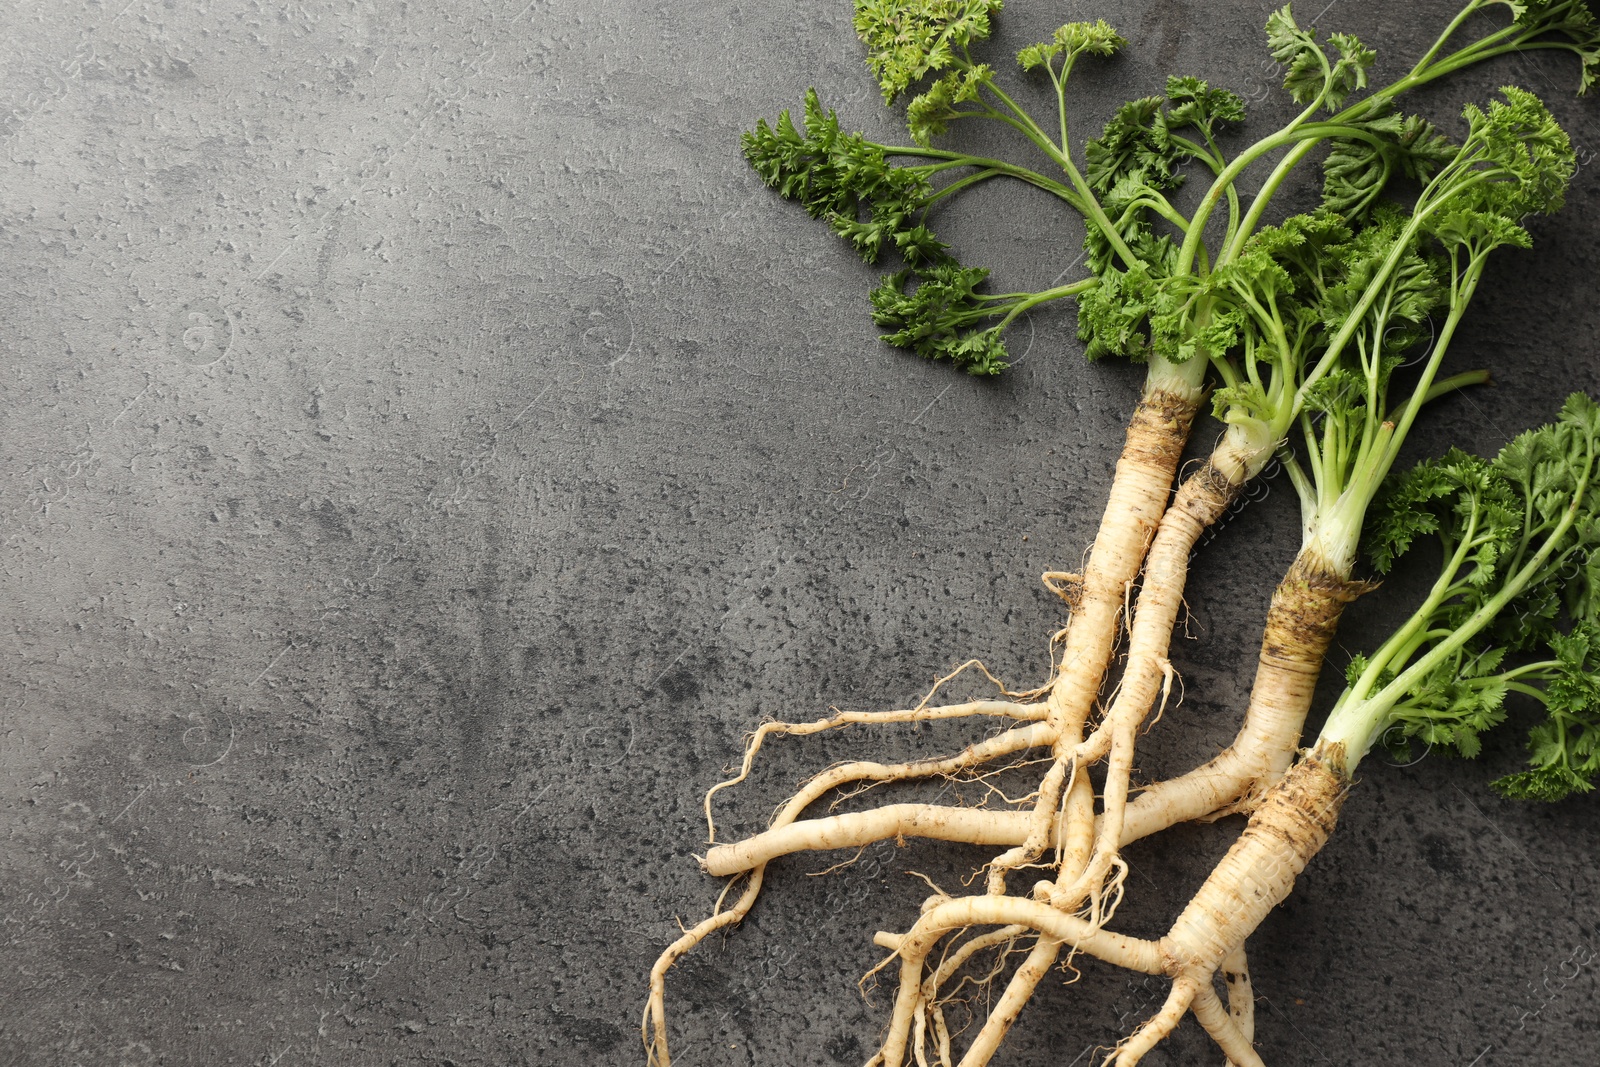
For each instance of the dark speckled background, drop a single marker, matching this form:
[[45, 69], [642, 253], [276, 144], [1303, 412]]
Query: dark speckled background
[[428, 449]]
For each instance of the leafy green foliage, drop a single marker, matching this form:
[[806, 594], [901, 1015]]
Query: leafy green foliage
[[1111, 316], [1565, 749], [1439, 495], [909, 39], [1296, 285], [1412, 283], [1138, 143], [1572, 19], [1275, 301], [1072, 40], [1308, 75], [1520, 541], [1299, 54], [1135, 143], [1453, 705], [932, 311], [1132, 313], [932, 306], [1137, 158], [1357, 171], [1522, 159], [1307, 246], [1184, 326], [1350, 69], [929, 113], [1195, 103], [846, 180]]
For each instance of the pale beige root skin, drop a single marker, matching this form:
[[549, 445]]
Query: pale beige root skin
[[970, 826], [1188, 994], [1145, 472], [1156, 436], [1155, 1029], [914, 947], [1077, 843], [1155, 440], [786, 835], [1301, 623], [1291, 824], [1018, 739], [1200, 501], [921, 713], [1223, 1027], [932, 1009], [1041, 822], [1134, 515], [654, 1025], [1241, 999], [1041, 958]]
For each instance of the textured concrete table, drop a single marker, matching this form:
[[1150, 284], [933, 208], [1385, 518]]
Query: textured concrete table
[[428, 449]]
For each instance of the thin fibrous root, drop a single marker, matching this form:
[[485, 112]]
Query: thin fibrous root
[[914, 947], [1034, 735], [941, 1036], [1018, 992], [1101, 877], [936, 996], [1155, 440], [959, 954], [653, 1028], [1028, 695], [1066, 585], [1042, 823], [1075, 831], [1203, 497], [1195, 994], [921, 713], [1290, 826]]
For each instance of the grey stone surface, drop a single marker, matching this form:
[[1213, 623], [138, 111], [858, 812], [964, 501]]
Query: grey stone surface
[[428, 449]]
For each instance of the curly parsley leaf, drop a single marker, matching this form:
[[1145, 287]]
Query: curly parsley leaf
[[932, 312], [1516, 533], [1308, 75], [909, 39], [1195, 103], [1138, 142], [846, 180], [1565, 749], [1357, 171], [1070, 41], [929, 113], [1111, 316], [1523, 158]]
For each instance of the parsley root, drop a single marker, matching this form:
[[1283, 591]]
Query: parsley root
[[1295, 329]]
